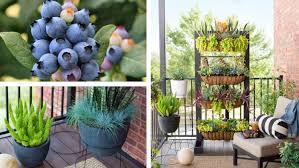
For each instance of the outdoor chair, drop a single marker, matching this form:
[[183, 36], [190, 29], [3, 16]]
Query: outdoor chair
[[261, 149]]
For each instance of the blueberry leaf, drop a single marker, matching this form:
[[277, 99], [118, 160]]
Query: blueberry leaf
[[19, 48], [138, 31], [103, 37], [133, 64]]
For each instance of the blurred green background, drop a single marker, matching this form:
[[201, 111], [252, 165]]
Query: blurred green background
[[17, 15]]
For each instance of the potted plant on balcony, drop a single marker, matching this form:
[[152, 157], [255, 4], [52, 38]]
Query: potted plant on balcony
[[104, 118], [178, 83], [30, 131], [221, 97], [289, 152], [221, 72], [167, 106], [216, 129]]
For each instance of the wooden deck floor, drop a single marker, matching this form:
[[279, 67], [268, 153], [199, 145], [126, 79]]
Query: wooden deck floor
[[66, 142]]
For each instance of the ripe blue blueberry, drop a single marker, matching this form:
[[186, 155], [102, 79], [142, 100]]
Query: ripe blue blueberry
[[36, 71], [59, 44], [56, 27], [95, 46], [76, 33], [48, 63], [71, 74], [38, 29], [91, 30], [39, 48], [114, 54], [90, 70], [84, 51], [50, 9], [82, 17], [68, 58]]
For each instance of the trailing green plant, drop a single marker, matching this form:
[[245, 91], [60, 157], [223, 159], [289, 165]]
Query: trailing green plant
[[155, 92], [241, 44], [213, 43], [29, 127], [107, 108], [167, 105], [269, 99], [216, 125], [289, 153], [201, 43], [178, 74], [227, 44]]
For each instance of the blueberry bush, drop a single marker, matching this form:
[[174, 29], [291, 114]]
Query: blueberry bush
[[72, 40]]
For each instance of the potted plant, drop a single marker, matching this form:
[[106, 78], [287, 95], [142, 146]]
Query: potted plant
[[103, 118], [289, 153], [216, 129], [178, 83], [221, 97], [30, 131], [166, 106], [221, 72]]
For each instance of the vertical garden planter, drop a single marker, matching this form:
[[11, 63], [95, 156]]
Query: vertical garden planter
[[179, 88], [31, 156], [102, 143], [169, 124]]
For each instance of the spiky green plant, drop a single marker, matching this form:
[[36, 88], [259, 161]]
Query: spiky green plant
[[29, 127], [167, 105], [107, 108]]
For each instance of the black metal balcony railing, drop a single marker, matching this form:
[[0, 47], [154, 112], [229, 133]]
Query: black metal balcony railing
[[187, 129], [52, 111]]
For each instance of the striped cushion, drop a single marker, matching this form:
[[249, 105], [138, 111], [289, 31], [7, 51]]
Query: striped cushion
[[274, 127]]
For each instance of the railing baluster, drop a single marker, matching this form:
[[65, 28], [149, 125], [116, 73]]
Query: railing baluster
[[52, 101], [41, 97], [19, 93], [30, 96], [62, 101], [261, 95], [254, 99], [7, 103]]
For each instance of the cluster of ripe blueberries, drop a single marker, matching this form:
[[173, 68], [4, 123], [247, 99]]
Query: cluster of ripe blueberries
[[64, 46]]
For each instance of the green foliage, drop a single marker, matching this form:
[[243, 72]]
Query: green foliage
[[269, 99], [107, 108], [201, 43], [240, 44], [227, 44], [155, 92], [31, 128], [216, 125], [212, 43], [289, 153], [178, 74], [167, 105]]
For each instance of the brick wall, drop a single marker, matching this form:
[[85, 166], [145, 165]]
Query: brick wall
[[286, 40], [135, 145]]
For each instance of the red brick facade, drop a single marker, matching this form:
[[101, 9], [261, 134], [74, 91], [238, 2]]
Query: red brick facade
[[286, 39], [135, 144]]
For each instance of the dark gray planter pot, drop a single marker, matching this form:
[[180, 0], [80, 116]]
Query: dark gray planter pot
[[31, 157], [100, 142], [169, 124]]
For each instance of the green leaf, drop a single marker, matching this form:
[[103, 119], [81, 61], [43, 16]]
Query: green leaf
[[138, 31], [19, 48], [134, 63], [28, 9], [103, 38]]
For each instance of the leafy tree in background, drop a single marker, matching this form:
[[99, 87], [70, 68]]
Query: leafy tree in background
[[180, 45], [130, 13]]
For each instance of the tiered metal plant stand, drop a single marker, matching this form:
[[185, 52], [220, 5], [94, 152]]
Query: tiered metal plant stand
[[198, 149]]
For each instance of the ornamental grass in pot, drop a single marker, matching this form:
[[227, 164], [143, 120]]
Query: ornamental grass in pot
[[178, 83], [103, 118], [167, 106], [30, 131]]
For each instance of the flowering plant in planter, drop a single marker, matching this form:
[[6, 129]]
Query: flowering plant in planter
[[221, 97], [104, 118], [216, 129], [224, 37]]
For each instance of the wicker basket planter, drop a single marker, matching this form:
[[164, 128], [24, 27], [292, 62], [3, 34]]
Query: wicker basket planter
[[223, 80], [218, 135], [208, 104]]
